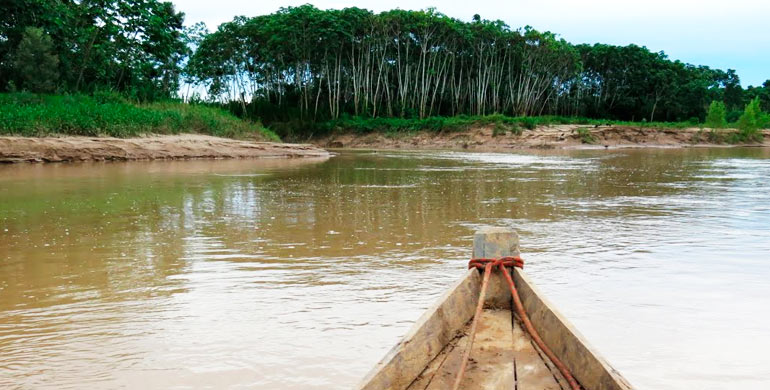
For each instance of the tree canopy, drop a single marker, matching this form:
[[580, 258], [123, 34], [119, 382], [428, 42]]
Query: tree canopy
[[320, 64], [134, 46], [311, 64]]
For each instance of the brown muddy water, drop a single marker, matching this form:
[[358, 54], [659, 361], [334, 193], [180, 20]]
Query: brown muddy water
[[302, 274]]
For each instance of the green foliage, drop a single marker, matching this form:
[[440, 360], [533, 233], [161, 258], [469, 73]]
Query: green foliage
[[27, 114], [585, 135], [299, 130], [320, 65], [529, 123], [302, 68], [764, 121], [749, 123], [500, 123], [131, 46], [499, 130], [34, 64], [717, 115]]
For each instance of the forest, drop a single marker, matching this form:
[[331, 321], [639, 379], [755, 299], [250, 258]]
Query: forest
[[310, 65], [134, 47]]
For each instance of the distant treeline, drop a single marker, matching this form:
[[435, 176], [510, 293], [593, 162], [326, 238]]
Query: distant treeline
[[302, 63], [316, 64]]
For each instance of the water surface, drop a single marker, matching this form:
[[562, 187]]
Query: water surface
[[302, 274]]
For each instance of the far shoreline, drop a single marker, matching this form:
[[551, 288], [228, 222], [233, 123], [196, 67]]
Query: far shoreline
[[555, 137]]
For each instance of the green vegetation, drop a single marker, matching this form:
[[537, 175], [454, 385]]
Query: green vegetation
[[305, 72], [749, 123], [717, 116], [585, 136], [72, 51], [297, 129], [437, 124], [37, 67], [499, 130], [134, 47], [310, 65], [106, 114]]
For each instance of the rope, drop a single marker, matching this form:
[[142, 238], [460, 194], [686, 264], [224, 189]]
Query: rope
[[479, 307], [502, 263]]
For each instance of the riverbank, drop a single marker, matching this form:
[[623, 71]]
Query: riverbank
[[112, 115], [490, 137], [158, 147]]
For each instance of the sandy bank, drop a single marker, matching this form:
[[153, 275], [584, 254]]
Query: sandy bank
[[544, 137], [167, 147]]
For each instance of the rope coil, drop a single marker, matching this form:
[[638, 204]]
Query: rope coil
[[508, 261], [502, 264]]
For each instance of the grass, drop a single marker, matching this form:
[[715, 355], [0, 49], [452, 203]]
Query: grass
[[105, 114], [585, 135], [501, 124]]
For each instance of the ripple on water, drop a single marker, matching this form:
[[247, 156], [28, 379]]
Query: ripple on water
[[227, 281]]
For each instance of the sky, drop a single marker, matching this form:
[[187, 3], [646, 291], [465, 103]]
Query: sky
[[721, 34]]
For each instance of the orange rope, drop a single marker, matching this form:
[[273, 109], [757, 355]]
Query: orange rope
[[535, 336], [476, 317], [502, 263]]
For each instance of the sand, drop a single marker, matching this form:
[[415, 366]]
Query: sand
[[166, 147], [544, 137]]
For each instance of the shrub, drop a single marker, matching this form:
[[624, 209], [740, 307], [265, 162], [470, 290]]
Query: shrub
[[749, 123], [499, 129], [764, 121], [585, 135], [528, 122], [717, 116]]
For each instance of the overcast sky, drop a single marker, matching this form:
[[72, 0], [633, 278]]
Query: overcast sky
[[721, 34]]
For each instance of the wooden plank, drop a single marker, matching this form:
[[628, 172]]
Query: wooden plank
[[585, 364], [440, 371], [427, 337], [491, 362], [490, 366], [532, 372]]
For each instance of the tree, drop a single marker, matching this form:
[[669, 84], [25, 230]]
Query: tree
[[751, 116], [733, 92], [750, 121], [717, 115], [310, 64], [35, 65], [131, 46]]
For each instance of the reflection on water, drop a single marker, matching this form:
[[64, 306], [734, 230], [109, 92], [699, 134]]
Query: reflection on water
[[250, 274]]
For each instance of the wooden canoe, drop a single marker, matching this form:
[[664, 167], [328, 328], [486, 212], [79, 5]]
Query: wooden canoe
[[503, 356]]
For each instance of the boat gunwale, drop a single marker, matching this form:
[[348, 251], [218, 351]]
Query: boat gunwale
[[440, 322], [404, 362], [585, 363]]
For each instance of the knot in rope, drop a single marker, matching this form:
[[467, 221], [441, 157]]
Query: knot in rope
[[507, 261]]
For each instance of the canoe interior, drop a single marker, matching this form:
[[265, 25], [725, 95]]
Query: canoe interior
[[503, 355]]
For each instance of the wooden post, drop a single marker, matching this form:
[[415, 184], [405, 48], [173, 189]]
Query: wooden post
[[494, 242], [586, 365]]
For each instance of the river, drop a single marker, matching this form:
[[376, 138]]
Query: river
[[302, 274]]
